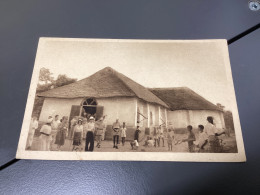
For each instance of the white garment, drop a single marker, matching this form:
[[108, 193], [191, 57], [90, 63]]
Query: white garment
[[210, 129], [33, 126], [202, 138], [45, 140], [123, 132], [55, 124]]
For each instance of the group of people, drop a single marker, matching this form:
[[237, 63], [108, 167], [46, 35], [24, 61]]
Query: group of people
[[55, 132], [207, 140]]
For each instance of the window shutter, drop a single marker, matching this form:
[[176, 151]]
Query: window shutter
[[74, 111], [99, 112]]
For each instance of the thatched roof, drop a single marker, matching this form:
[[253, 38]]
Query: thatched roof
[[183, 98], [104, 83]]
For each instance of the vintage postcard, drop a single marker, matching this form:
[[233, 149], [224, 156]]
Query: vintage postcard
[[138, 100]]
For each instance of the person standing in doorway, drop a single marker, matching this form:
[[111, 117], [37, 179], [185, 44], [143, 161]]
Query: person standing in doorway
[[116, 127], [45, 137], [61, 133], [123, 134], [90, 135], [33, 127], [54, 128]]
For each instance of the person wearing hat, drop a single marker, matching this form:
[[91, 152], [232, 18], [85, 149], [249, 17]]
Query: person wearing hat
[[90, 128], [45, 138], [77, 134]]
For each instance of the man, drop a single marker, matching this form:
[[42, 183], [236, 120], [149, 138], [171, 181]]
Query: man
[[116, 127], [212, 133], [90, 128], [54, 128], [99, 131]]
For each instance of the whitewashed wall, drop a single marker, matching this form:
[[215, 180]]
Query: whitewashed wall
[[183, 118], [54, 106], [123, 108]]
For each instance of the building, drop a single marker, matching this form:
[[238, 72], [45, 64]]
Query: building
[[188, 108], [110, 93]]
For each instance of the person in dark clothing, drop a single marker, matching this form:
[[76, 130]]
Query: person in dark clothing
[[134, 144], [137, 132], [90, 128]]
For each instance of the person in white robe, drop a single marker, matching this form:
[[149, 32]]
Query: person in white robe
[[45, 137], [33, 127]]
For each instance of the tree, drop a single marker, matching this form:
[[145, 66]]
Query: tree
[[48, 83], [63, 80], [45, 76], [228, 118]]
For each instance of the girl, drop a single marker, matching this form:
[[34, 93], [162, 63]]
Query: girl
[[123, 133], [77, 134]]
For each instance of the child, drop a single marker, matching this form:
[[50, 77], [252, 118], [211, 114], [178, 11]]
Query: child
[[191, 138], [156, 137], [203, 138], [170, 138], [123, 133], [137, 132]]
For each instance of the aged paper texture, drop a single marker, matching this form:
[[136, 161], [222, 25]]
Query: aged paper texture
[[137, 100]]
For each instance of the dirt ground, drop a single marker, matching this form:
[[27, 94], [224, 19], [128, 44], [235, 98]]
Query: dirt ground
[[107, 146]]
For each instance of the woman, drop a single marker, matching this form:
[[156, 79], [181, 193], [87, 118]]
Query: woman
[[62, 131], [33, 127], [45, 138], [77, 134]]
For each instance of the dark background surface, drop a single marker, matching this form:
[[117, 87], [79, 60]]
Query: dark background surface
[[23, 22]]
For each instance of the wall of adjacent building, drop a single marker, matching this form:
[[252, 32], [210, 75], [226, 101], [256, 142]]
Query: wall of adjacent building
[[183, 118]]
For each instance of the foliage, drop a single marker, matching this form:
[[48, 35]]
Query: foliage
[[45, 75], [228, 118], [63, 80], [48, 83]]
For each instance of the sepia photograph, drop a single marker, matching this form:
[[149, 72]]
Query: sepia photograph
[[144, 100]]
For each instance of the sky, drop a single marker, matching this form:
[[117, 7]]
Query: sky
[[196, 64]]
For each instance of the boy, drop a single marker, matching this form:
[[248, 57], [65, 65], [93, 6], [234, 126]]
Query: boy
[[191, 138], [170, 137], [203, 138]]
